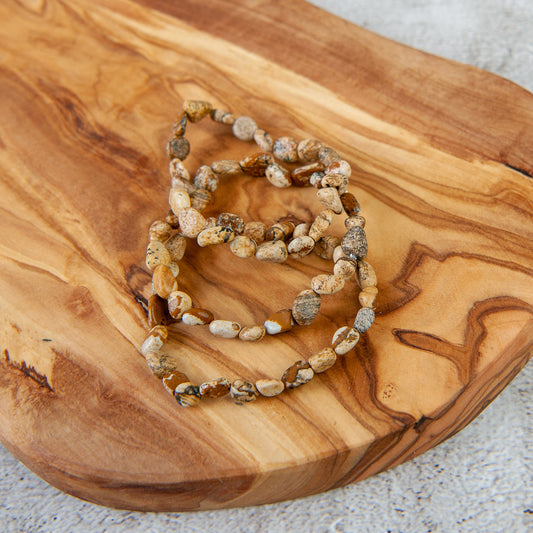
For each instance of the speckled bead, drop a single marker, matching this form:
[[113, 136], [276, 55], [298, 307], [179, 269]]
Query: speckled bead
[[301, 246], [327, 284], [301, 230], [160, 364], [353, 221], [272, 252], [192, 222], [205, 178], [196, 316], [279, 322], [368, 296], [327, 155], [339, 166], [344, 268], [305, 307], [178, 199], [252, 333], [216, 388], [269, 387], [196, 109], [160, 230], [224, 328], [242, 246], [278, 176], [180, 126], [187, 394], [244, 128], [243, 391], [256, 231], [350, 204], [329, 198], [321, 223], [215, 235], [285, 149], [366, 276], [364, 319], [297, 374], [344, 339], [301, 175], [178, 303], [308, 150], [325, 247], [163, 281], [354, 243], [173, 379], [230, 220], [322, 360], [223, 117], [176, 246], [210, 222], [226, 167], [200, 199], [256, 164], [263, 140], [178, 147], [156, 254]]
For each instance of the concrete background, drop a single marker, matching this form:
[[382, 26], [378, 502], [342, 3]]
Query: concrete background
[[480, 480]]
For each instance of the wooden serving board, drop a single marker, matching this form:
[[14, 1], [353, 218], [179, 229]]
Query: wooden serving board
[[443, 161]]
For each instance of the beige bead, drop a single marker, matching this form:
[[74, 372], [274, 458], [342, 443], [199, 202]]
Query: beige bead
[[256, 164], [176, 246], [177, 169], [344, 268], [196, 109], [178, 199], [327, 284], [353, 221], [197, 317], [338, 254], [180, 183], [175, 268], [160, 364], [316, 179], [333, 180], [244, 128], [215, 235], [252, 333], [321, 223], [163, 281], [159, 230], [256, 231], [272, 252], [297, 374], [341, 167], [243, 391], [301, 246], [285, 149], [210, 222], [230, 220], [325, 247], [178, 303], [156, 254], [187, 394], [305, 307], [301, 230], [322, 360], [215, 388], [366, 276], [153, 341], [263, 140], [279, 322], [269, 387], [354, 244], [223, 117], [226, 167], [200, 198], [368, 296], [192, 222], [308, 150], [278, 176], [205, 178], [329, 198], [344, 340], [243, 246], [224, 328]]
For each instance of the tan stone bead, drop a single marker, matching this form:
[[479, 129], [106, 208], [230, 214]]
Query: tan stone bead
[[354, 243], [327, 155], [178, 303], [200, 198], [325, 247], [321, 223], [297, 374], [243, 246], [356, 220], [327, 284], [274, 233], [192, 222], [231, 220], [278, 176], [368, 296], [344, 268], [329, 198], [272, 252], [156, 254], [252, 333], [244, 128], [153, 341], [366, 276], [279, 322], [344, 340], [256, 164], [301, 230], [285, 149], [177, 169], [187, 394], [216, 388], [224, 328], [226, 167], [256, 231], [338, 254], [333, 180], [322, 360], [243, 391], [180, 183], [163, 281], [196, 109], [158, 311], [223, 117], [215, 235], [305, 307], [301, 175], [173, 379], [210, 222], [316, 179], [263, 140], [339, 167], [180, 125], [178, 148], [301, 246], [159, 230], [172, 220], [205, 178], [350, 204], [269, 387], [308, 150], [178, 199], [160, 364], [176, 246], [174, 267], [195, 316]]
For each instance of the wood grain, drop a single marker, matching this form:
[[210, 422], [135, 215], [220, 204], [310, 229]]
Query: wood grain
[[442, 158]]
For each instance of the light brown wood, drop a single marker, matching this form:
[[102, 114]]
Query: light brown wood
[[442, 162]]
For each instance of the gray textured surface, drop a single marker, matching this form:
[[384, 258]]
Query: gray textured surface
[[480, 480]]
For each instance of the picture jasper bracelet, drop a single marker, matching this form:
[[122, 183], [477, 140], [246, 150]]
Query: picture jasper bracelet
[[323, 169]]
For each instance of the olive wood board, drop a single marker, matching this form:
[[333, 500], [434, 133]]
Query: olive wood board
[[442, 163]]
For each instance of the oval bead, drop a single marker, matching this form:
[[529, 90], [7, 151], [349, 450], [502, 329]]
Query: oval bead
[[163, 281], [187, 394], [215, 235], [278, 176], [344, 340], [244, 128], [329, 198], [368, 296], [243, 391], [178, 303], [269, 387], [272, 252], [327, 284], [364, 319], [215, 388], [156, 254], [322, 360], [256, 164], [196, 110], [297, 374], [366, 276], [252, 333], [354, 243], [178, 199], [196, 316], [224, 328], [176, 246], [305, 307], [242, 246], [285, 149]]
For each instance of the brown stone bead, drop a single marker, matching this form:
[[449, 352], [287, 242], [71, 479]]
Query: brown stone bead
[[244, 128], [192, 222], [327, 155], [308, 150], [178, 303], [172, 380], [344, 268], [200, 199], [278, 176], [230, 220], [291, 219], [316, 179], [176, 246], [158, 311], [256, 164], [272, 252], [187, 394], [226, 167], [321, 223], [160, 364], [197, 109], [263, 140], [285, 149], [329, 198], [366, 276], [243, 391], [368, 296], [322, 360], [252, 333], [269, 387], [156, 254], [354, 243], [327, 284], [163, 281], [180, 125], [301, 175], [223, 117], [279, 322], [178, 147], [159, 230], [325, 247], [256, 231], [205, 178], [339, 166], [297, 374], [356, 220], [350, 204], [172, 219], [242, 246], [178, 170], [196, 316], [305, 307], [216, 388], [301, 246], [215, 235]]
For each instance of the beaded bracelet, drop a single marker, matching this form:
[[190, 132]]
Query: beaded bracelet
[[328, 173]]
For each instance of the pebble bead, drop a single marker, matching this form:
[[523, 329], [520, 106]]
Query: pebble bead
[[178, 147], [256, 231], [152, 342], [180, 125], [226, 167], [278, 176], [305, 307], [301, 246], [344, 340], [301, 230], [177, 169], [178, 303], [158, 311], [173, 379], [176, 246], [368, 296], [339, 167], [200, 198], [338, 254], [269, 387], [327, 155], [364, 319], [279, 322], [252, 333], [285, 149], [156, 254], [180, 183], [197, 109], [230, 220], [224, 328], [197, 317], [215, 235], [223, 117], [192, 222], [327, 284], [244, 128], [354, 243], [210, 222], [356, 220], [243, 391], [172, 219], [308, 150], [322, 360], [350, 204], [297, 374], [344, 268], [256, 164], [263, 140], [175, 268], [215, 388], [366, 276], [321, 223], [325, 247], [187, 394], [159, 230], [329, 198], [301, 175], [205, 178], [274, 233], [316, 179], [178, 199], [272, 252], [242, 246], [160, 364], [163, 281]]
